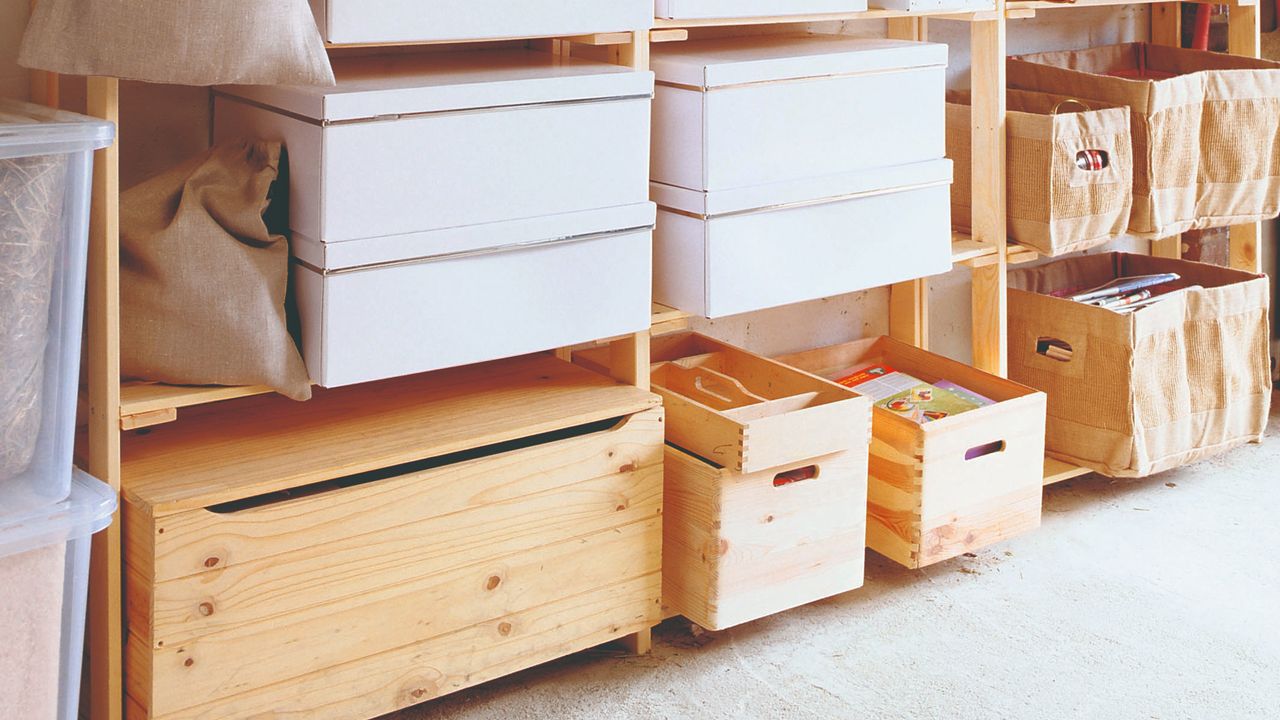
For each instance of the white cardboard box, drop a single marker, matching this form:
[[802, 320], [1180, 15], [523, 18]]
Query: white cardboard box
[[410, 144], [465, 306], [739, 112], [460, 207], [390, 21], [729, 252], [701, 9]]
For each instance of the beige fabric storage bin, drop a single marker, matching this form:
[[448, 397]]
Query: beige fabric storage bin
[[1206, 128], [1054, 205], [1135, 394]]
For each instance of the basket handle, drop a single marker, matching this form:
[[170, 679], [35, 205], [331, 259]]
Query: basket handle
[[1070, 101]]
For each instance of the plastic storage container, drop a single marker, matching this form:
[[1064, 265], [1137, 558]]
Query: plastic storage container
[[46, 157], [44, 581]]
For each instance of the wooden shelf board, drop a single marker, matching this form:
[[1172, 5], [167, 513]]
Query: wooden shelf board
[[1056, 471], [968, 250], [668, 319], [965, 247], [1014, 7], [870, 14], [230, 451], [138, 398]]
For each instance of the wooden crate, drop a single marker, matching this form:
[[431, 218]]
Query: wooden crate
[[950, 486], [743, 411], [737, 547], [350, 591]]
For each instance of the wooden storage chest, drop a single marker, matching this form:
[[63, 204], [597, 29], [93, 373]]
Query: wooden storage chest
[[950, 486], [384, 545], [739, 546]]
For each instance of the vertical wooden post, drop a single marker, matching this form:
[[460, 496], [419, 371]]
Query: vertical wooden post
[[990, 224], [909, 301], [106, 617], [44, 86], [629, 357], [1166, 29], [1245, 38]]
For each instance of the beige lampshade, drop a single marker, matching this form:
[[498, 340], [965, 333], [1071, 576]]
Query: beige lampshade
[[185, 42]]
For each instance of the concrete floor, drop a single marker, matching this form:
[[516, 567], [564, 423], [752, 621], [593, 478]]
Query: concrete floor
[[1157, 598]]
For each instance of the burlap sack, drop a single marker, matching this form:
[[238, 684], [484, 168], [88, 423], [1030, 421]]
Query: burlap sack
[[1053, 205], [1174, 382], [202, 281], [31, 204], [1206, 128], [185, 42]]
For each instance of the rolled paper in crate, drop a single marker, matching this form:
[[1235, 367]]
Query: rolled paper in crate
[[30, 233]]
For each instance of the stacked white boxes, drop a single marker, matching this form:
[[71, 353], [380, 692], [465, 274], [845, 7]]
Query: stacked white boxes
[[789, 169], [452, 208]]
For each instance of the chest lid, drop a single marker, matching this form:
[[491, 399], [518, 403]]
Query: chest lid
[[386, 86], [708, 64]]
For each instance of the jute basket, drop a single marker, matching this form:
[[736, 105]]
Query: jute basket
[[1206, 128], [1054, 205]]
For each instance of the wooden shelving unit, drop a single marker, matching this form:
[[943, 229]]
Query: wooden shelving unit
[[213, 429]]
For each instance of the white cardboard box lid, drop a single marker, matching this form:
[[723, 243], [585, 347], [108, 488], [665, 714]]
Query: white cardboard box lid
[[367, 252], [735, 61], [829, 188], [389, 85]]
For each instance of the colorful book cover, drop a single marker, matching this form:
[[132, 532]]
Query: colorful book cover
[[911, 397], [926, 403], [878, 381], [965, 393]]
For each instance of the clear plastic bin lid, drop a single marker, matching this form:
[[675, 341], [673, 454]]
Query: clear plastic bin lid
[[86, 510], [27, 129]]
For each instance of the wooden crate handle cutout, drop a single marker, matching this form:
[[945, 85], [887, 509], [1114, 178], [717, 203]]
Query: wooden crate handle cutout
[[984, 450], [791, 477]]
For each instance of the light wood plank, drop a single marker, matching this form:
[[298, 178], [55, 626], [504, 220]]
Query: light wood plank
[[335, 520], [629, 360], [419, 672], [102, 356], [909, 312], [276, 649], [1056, 471], [990, 284], [1244, 38], [147, 419], [1166, 24], [1170, 247], [989, 13], [1015, 7], [258, 445], [137, 398], [737, 548]]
